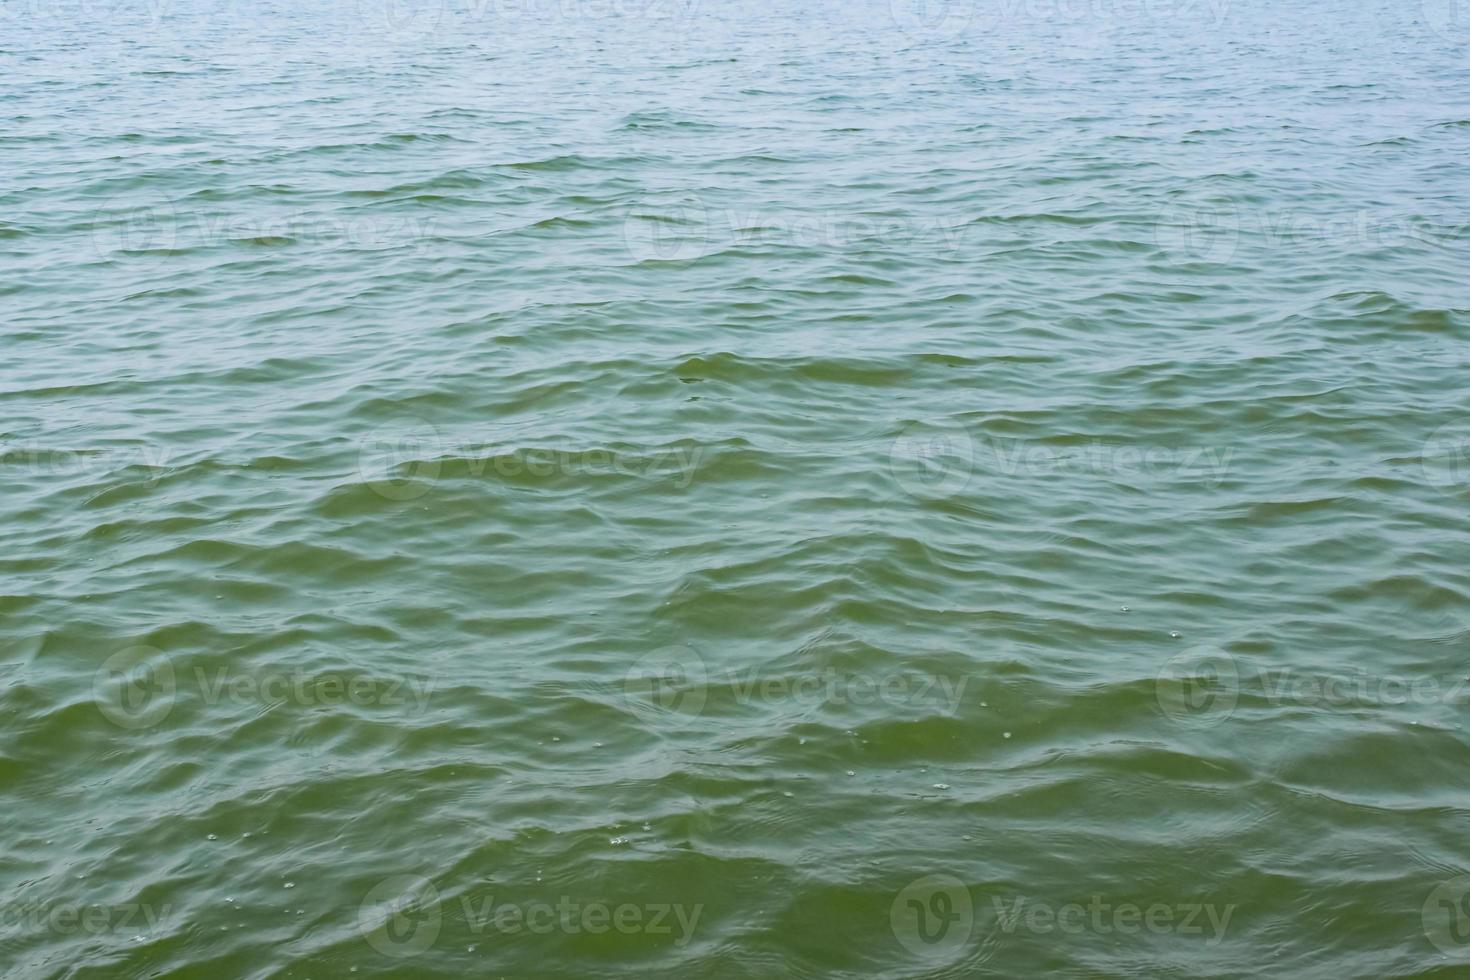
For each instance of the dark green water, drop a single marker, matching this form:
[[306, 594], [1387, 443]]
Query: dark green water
[[621, 490]]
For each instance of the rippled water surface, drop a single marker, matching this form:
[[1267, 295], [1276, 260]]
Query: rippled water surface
[[571, 489]]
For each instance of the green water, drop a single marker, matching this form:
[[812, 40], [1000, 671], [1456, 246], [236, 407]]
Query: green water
[[561, 490]]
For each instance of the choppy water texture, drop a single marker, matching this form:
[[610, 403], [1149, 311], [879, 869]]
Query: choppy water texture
[[618, 489]]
